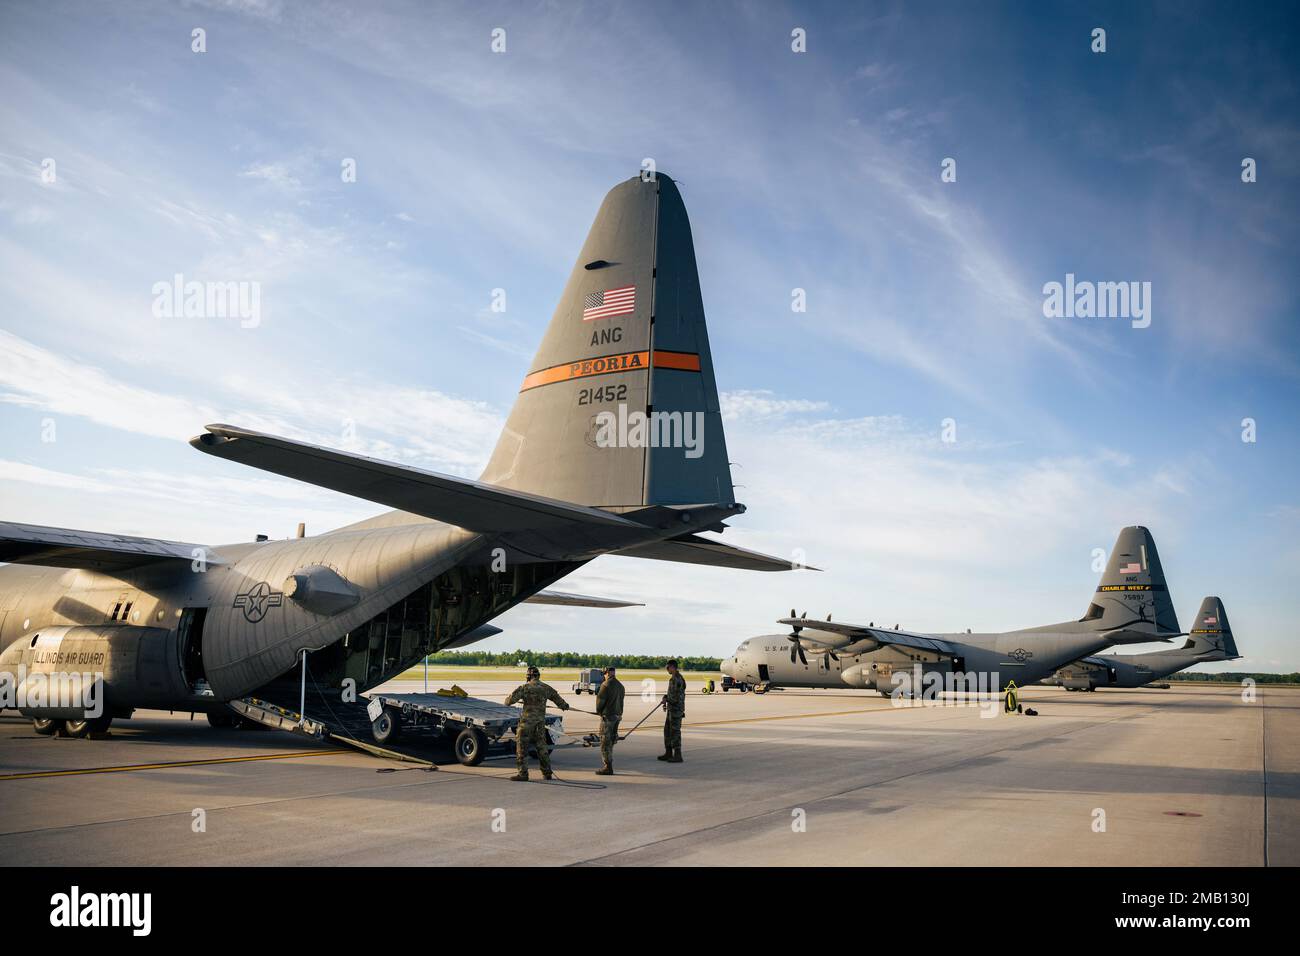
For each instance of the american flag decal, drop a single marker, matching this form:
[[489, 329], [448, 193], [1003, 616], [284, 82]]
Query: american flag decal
[[1131, 568], [1211, 620], [601, 305]]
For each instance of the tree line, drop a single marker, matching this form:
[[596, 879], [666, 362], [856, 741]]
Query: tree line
[[474, 658], [1236, 677]]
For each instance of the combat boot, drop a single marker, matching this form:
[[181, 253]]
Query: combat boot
[[547, 775], [606, 771], [666, 755], [677, 755], [522, 775]]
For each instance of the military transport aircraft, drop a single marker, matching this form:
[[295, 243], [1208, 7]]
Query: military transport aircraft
[[1131, 606], [1210, 640], [189, 627]]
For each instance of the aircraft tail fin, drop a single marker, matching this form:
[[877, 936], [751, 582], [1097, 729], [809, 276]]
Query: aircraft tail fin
[[1211, 633], [619, 409], [1132, 599]]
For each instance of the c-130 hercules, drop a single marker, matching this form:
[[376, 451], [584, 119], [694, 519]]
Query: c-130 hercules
[[187, 627], [1131, 605]]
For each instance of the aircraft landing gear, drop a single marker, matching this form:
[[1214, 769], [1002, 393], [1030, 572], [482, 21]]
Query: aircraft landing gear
[[49, 727], [89, 727]]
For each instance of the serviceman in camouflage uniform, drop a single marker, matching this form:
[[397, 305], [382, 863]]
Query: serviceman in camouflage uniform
[[532, 725], [674, 704], [609, 707]]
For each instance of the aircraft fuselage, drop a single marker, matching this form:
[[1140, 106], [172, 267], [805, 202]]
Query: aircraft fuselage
[[365, 604], [992, 659], [1128, 671]]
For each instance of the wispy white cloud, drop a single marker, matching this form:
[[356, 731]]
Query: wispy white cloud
[[383, 420]]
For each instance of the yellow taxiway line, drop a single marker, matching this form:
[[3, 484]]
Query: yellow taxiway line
[[127, 768]]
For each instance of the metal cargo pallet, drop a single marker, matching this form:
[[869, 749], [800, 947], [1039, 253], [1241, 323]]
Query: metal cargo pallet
[[432, 725], [477, 728]]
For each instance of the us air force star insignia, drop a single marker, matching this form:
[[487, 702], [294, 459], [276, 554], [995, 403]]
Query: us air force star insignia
[[1020, 655], [256, 600]]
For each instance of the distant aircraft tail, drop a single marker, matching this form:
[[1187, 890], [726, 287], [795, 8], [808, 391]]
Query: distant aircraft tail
[[1211, 633], [1132, 600], [619, 409]]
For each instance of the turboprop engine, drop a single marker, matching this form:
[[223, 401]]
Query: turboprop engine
[[859, 675]]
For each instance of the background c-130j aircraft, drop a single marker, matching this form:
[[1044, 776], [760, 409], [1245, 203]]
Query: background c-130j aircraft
[[1131, 606], [1210, 640], [189, 627]]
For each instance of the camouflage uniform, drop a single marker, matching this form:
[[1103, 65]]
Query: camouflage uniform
[[609, 707], [532, 724], [674, 713]]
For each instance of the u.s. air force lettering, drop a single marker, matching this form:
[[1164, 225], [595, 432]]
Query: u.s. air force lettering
[[257, 600]]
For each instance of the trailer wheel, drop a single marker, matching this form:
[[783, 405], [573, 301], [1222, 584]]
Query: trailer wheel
[[471, 746], [89, 727], [48, 726], [387, 727]]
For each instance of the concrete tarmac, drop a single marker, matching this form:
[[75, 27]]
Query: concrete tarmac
[[1188, 776]]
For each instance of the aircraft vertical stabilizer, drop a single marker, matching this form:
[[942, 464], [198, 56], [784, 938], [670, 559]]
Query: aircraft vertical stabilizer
[[619, 408], [1132, 595], [1211, 631]]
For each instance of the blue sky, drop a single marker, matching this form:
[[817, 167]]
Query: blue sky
[[820, 170]]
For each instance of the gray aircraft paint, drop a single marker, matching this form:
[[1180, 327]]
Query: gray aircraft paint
[[1210, 639], [641, 238], [549, 500], [1130, 605]]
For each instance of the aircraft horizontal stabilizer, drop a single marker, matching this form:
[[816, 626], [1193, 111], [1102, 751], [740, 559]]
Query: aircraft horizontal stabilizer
[[695, 549], [467, 504], [92, 550], [578, 600]]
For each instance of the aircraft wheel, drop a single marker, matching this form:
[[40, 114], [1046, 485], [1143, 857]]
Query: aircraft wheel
[[89, 727], [49, 727], [387, 727], [471, 746]]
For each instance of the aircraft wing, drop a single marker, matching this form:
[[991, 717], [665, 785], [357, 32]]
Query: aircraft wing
[[697, 549], [91, 550], [577, 600], [467, 504], [858, 632]]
